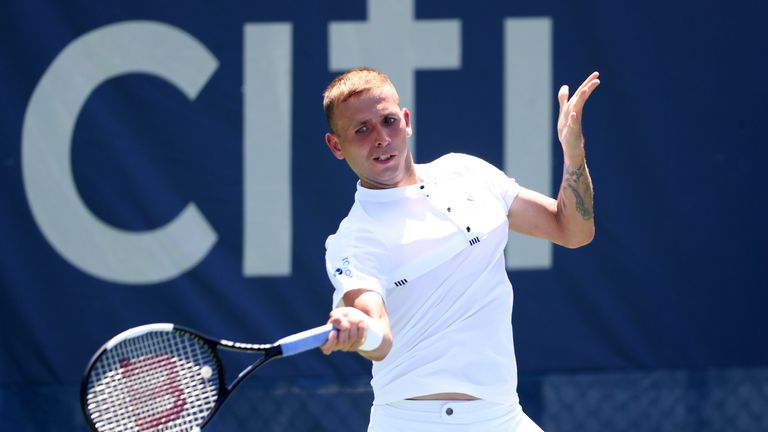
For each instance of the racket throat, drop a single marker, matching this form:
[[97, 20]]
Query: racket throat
[[271, 352]]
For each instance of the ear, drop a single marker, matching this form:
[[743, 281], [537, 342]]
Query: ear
[[407, 117], [333, 145]]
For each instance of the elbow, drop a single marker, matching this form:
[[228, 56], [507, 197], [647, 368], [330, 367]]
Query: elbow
[[581, 239]]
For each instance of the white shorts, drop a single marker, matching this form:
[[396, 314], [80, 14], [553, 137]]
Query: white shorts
[[449, 416]]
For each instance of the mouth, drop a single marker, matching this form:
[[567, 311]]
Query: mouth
[[384, 158]]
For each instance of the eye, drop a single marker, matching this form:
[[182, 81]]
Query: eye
[[361, 129], [389, 120]]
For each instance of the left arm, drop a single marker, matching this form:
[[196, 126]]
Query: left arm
[[568, 220]]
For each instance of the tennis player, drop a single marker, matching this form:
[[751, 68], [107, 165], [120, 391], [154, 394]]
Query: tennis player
[[421, 256]]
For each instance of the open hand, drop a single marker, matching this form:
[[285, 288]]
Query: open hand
[[569, 130]]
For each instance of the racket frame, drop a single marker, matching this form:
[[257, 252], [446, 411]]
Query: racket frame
[[268, 351]]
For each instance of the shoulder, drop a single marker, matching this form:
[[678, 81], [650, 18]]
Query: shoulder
[[452, 160], [460, 162], [356, 230], [356, 255], [476, 173], [461, 166]]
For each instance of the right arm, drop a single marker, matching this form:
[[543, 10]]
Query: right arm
[[351, 321]]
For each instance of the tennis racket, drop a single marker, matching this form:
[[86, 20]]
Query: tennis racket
[[162, 377]]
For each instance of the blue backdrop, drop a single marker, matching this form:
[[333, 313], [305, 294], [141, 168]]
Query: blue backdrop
[[102, 146]]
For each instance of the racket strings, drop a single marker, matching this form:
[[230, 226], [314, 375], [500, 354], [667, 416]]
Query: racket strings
[[158, 381]]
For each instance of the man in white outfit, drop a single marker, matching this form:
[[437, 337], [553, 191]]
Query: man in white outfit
[[420, 257]]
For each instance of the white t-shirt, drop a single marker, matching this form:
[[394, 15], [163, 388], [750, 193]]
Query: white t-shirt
[[435, 253]]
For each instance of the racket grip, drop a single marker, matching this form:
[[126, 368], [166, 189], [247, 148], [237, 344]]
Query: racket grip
[[313, 338], [305, 341]]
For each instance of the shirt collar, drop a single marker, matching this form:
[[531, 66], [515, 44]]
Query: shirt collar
[[392, 194]]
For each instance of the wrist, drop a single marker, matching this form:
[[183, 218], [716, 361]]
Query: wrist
[[374, 335], [575, 161]]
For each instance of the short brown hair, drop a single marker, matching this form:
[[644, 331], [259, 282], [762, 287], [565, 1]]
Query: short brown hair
[[353, 82]]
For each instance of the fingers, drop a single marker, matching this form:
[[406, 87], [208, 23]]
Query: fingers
[[571, 109], [329, 345], [562, 96], [350, 330], [585, 90], [576, 103], [348, 338], [590, 79]]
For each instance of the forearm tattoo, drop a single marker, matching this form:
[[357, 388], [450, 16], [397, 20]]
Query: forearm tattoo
[[577, 181]]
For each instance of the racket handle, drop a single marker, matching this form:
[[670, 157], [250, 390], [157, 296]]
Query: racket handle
[[305, 341], [314, 338]]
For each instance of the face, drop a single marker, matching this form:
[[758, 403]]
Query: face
[[370, 133]]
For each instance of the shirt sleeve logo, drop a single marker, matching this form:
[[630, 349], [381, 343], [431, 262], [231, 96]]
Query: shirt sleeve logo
[[344, 269]]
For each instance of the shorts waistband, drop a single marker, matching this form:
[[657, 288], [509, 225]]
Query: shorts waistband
[[458, 411]]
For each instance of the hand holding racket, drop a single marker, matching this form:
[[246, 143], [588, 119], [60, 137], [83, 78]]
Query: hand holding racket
[[162, 377]]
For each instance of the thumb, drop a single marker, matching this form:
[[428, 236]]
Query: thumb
[[562, 96]]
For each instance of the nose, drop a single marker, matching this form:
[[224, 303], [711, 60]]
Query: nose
[[381, 138]]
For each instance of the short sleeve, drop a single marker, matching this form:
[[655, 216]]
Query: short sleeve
[[354, 259], [498, 182]]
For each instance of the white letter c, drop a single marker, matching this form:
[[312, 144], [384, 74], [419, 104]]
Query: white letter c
[[83, 239]]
